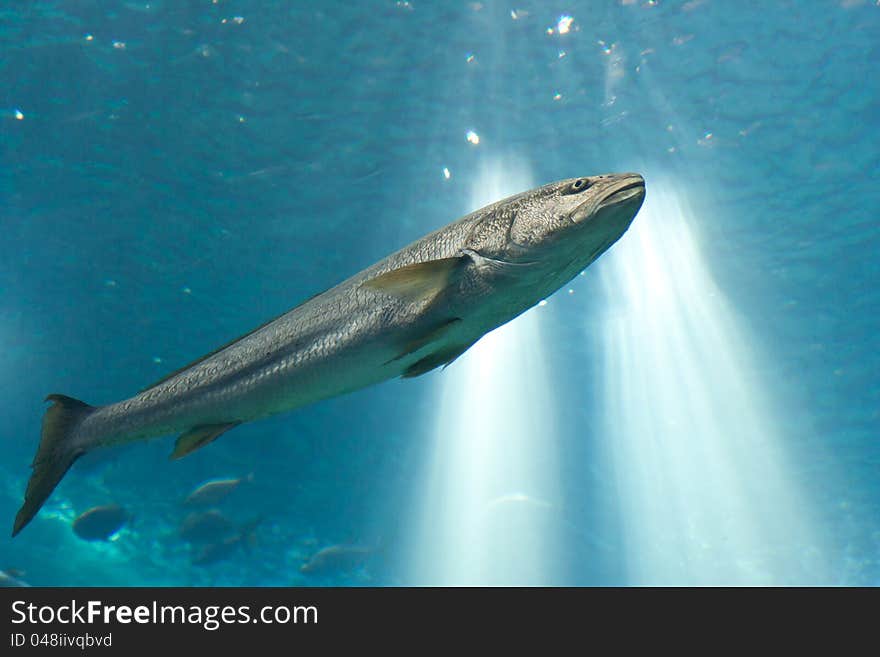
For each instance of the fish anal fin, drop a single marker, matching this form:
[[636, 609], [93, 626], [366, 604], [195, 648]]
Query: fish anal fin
[[425, 338], [198, 437], [434, 360], [421, 281]]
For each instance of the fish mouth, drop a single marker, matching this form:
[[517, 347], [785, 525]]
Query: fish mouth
[[619, 190], [630, 187]]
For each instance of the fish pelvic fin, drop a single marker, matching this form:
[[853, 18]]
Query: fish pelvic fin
[[197, 437], [432, 361], [425, 338], [55, 454]]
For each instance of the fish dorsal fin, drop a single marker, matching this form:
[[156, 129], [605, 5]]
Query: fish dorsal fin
[[443, 356], [421, 281], [190, 441]]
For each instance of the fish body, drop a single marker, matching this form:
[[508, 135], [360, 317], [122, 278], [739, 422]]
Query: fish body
[[214, 491], [226, 547], [206, 527], [214, 552], [336, 559], [100, 522], [416, 310]]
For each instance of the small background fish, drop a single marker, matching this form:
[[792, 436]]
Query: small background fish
[[100, 522], [214, 491]]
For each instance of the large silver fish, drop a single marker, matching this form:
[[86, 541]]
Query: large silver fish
[[418, 309]]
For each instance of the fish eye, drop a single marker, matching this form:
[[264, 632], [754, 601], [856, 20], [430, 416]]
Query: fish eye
[[578, 185]]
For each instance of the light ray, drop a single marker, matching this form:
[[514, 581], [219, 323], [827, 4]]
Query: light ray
[[692, 431], [488, 515]]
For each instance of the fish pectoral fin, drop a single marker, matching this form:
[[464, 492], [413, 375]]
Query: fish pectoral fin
[[443, 356], [422, 340], [419, 282], [197, 437]]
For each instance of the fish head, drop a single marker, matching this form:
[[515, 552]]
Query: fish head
[[574, 220]]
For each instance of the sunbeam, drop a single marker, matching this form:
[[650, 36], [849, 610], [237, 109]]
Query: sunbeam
[[704, 487], [488, 515]]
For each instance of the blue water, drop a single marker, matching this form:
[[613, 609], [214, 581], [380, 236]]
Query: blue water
[[173, 174]]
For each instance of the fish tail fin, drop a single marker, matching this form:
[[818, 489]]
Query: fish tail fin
[[55, 455]]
